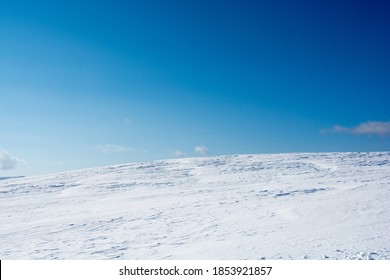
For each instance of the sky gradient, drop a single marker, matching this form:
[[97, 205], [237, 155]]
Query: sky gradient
[[92, 83]]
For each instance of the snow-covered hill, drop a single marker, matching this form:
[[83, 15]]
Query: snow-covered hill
[[278, 206]]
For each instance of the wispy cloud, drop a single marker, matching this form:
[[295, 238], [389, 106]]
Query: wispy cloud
[[8, 161], [179, 153], [202, 150], [369, 127], [108, 148]]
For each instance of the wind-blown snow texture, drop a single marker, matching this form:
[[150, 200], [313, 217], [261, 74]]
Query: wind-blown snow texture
[[280, 206]]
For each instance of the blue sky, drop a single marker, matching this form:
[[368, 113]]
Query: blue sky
[[92, 83]]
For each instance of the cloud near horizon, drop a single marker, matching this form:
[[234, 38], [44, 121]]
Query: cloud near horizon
[[179, 153], [369, 127], [108, 148], [8, 161], [202, 150]]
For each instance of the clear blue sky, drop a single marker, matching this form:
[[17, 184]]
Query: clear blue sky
[[91, 83]]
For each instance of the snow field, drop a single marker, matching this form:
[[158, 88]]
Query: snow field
[[277, 206]]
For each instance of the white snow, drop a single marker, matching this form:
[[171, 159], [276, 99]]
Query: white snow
[[276, 206]]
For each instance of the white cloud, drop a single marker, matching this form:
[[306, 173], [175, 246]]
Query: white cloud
[[108, 148], [369, 127], [202, 150], [8, 161], [179, 153]]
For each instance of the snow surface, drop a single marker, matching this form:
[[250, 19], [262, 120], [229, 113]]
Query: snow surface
[[277, 206]]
